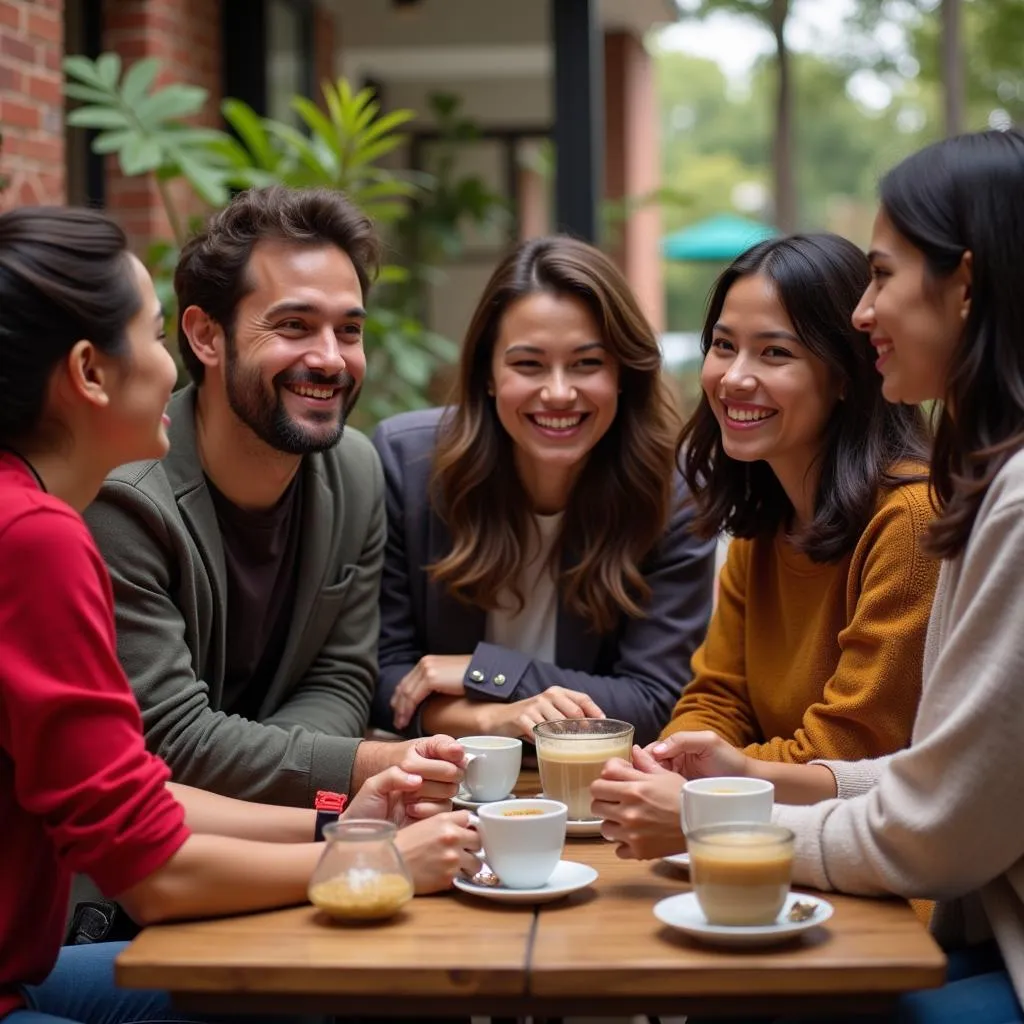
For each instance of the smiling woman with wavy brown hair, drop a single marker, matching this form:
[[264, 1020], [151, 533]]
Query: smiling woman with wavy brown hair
[[540, 563]]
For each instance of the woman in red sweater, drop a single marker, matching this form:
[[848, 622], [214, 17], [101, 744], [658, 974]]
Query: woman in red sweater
[[84, 381]]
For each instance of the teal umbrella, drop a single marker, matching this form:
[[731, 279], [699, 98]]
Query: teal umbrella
[[718, 238]]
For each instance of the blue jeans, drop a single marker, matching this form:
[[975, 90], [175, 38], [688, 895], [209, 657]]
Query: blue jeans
[[81, 990], [977, 991]]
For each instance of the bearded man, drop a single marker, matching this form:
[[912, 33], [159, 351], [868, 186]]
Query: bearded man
[[246, 565]]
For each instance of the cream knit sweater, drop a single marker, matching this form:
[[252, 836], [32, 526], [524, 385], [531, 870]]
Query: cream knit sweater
[[944, 819]]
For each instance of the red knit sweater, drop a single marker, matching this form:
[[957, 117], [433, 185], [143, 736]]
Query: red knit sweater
[[78, 791]]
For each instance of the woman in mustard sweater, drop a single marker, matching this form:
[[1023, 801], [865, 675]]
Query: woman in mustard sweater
[[815, 647]]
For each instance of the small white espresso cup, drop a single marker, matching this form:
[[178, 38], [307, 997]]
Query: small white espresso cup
[[522, 839], [492, 766], [725, 801]]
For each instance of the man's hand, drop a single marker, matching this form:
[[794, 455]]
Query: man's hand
[[437, 850], [698, 755], [554, 704], [640, 809], [434, 673]]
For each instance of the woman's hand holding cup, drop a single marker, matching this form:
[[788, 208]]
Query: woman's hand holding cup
[[437, 849], [640, 808], [696, 755]]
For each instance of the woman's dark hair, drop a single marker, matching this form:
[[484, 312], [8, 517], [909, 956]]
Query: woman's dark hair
[[621, 501], [961, 195], [819, 280], [212, 270], [64, 276]]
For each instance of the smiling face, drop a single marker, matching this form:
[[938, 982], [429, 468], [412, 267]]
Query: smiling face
[[771, 396], [555, 387], [142, 378], [294, 359], [913, 319]]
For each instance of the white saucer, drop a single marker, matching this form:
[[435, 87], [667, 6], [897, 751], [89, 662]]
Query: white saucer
[[465, 801], [677, 860], [568, 877], [683, 913]]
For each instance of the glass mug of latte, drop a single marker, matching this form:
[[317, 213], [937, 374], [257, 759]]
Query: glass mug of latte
[[741, 873], [360, 875], [571, 754]]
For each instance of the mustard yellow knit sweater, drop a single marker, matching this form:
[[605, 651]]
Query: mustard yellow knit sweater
[[805, 661]]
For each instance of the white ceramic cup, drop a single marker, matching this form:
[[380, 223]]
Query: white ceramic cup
[[522, 849], [725, 801], [492, 767]]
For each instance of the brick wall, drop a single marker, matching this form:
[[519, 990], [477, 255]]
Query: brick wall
[[186, 37], [31, 103]]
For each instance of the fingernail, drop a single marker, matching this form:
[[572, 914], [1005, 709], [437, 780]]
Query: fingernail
[[414, 779], [660, 748]]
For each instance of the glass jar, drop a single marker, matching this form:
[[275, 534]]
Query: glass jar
[[361, 875]]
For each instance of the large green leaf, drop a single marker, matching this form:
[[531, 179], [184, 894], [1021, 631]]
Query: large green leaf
[[318, 123], [374, 151], [196, 135], [85, 71], [97, 117], [171, 101], [387, 123], [138, 79], [249, 126], [206, 180], [88, 94], [300, 146], [112, 141], [140, 155], [108, 69]]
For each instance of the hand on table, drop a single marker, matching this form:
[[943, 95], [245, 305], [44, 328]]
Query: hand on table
[[437, 850], [640, 807], [434, 673], [697, 755], [552, 705]]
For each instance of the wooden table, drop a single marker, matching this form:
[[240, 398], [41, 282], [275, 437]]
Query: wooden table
[[600, 951]]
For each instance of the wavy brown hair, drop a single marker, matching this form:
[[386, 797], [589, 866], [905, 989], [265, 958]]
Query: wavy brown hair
[[867, 443], [962, 195], [621, 501]]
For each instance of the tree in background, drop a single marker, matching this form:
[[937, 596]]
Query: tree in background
[[716, 141], [986, 90], [773, 14]]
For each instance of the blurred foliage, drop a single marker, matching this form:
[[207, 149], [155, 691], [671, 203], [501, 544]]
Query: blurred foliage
[[716, 146], [993, 48], [145, 128], [435, 224]]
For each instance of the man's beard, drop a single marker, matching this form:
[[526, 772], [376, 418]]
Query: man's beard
[[265, 414]]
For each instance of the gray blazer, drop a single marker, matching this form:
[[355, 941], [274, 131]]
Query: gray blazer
[[156, 526], [635, 673]]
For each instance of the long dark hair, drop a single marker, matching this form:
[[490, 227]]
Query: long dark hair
[[959, 195], [621, 501], [819, 280], [64, 276]]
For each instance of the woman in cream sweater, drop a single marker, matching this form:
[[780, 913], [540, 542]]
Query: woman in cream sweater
[[942, 819]]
